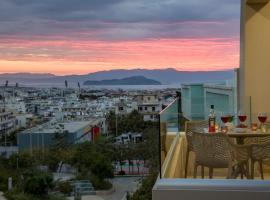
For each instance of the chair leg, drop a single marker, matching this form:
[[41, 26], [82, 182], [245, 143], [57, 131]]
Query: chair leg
[[195, 171], [247, 171], [241, 171], [202, 171], [211, 171], [261, 170], [252, 169], [229, 174], [186, 164]]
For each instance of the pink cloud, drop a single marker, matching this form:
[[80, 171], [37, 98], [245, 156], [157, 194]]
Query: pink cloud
[[87, 56]]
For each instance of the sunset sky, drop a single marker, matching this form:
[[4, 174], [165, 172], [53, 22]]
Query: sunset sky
[[83, 36]]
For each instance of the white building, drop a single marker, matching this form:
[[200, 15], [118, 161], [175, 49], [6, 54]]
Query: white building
[[7, 121], [149, 106]]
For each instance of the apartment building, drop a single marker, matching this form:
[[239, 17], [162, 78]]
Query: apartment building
[[7, 121], [196, 100], [149, 106]]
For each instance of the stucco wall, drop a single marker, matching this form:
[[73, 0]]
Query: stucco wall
[[255, 56]]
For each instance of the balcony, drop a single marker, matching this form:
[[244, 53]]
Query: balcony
[[172, 184]]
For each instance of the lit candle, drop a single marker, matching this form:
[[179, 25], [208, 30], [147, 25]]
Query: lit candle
[[254, 126], [224, 129], [216, 128]]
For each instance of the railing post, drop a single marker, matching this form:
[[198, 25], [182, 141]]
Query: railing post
[[159, 146], [179, 112]]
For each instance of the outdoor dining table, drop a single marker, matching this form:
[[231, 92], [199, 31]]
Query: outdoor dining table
[[240, 136], [240, 139]]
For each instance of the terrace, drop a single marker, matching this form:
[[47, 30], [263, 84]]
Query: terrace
[[172, 181], [251, 92]]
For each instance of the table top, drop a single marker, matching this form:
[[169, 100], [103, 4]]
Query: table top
[[248, 133]]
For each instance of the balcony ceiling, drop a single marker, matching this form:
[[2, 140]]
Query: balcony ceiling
[[257, 1]]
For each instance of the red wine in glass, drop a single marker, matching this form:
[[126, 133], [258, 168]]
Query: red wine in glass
[[262, 117], [225, 119], [242, 117]]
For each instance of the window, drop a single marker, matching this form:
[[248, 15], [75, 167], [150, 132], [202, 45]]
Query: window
[[145, 108], [140, 108], [153, 108]]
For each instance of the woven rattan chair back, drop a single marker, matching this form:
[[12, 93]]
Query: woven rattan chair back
[[190, 127], [260, 153], [211, 150]]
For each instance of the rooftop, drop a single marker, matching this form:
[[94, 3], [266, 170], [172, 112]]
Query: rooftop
[[71, 126]]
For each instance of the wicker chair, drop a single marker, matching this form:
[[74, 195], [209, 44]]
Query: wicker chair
[[260, 153], [190, 127], [257, 140], [218, 151], [240, 155]]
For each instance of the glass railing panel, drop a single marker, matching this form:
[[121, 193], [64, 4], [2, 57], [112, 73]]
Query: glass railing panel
[[169, 127]]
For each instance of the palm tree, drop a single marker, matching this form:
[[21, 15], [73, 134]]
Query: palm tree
[[130, 155]]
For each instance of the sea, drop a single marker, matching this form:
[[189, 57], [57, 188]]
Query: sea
[[109, 87]]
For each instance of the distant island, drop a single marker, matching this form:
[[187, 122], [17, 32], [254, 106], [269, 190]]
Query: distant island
[[164, 76], [133, 80]]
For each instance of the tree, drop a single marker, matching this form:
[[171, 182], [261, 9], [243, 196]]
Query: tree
[[145, 191], [131, 155], [61, 139], [37, 183], [111, 118], [101, 167], [23, 160]]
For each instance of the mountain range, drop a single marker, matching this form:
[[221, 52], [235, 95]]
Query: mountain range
[[133, 80], [165, 76]]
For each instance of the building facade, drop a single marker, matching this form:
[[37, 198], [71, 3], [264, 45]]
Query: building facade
[[197, 98], [149, 106], [7, 121]]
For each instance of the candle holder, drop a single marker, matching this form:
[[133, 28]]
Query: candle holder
[[254, 126], [224, 129], [263, 128]]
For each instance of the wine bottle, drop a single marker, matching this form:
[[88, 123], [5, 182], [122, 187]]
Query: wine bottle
[[212, 120]]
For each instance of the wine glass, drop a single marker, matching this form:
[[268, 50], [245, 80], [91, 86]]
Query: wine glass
[[262, 118], [225, 119], [242, 118]]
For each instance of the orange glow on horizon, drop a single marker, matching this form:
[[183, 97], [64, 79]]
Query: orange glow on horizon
[[80, 57]]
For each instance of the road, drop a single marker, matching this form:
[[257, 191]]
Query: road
[[1, 196], [122, 185]]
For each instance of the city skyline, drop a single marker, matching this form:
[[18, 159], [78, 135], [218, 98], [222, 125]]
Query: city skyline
[[79, 37]]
